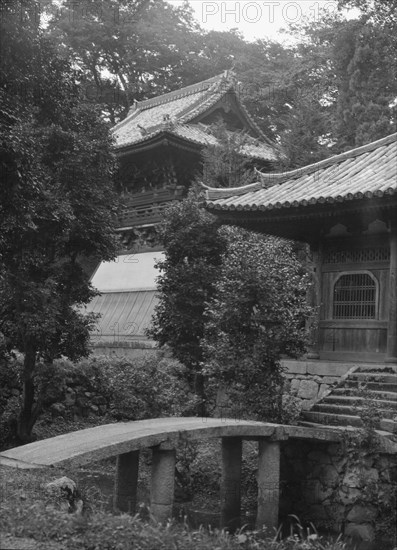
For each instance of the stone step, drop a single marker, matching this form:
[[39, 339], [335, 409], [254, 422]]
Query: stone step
[[342, 391], [347, 410], [331, 419], [380, 369], [388, 425], [308, 424], [356, 400], [384, 378], [377, 386]]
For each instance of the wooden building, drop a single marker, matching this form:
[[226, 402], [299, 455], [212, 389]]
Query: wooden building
[[159, 146], [345, 208]]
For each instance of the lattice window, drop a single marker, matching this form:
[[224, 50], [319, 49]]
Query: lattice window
[[355, 256], [355, 297]]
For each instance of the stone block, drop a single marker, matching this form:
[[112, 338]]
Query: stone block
[[349, 495], [330, 477], [353, 478], [323, 388], [326, 474], [362, 514], [296, 367], [330, 380], [327, 369], [339, 463], [308, 389], [370, 476], [64, 495], [363, 531], [307, 404], [294, 388]]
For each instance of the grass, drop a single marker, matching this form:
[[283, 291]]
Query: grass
[[27, 511]]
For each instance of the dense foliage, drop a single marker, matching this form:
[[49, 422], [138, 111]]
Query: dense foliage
[[56, 200], [193, 251], [257, 314], [224, 164], [151, 386], [65, 67], [331, 88], [231, 303]]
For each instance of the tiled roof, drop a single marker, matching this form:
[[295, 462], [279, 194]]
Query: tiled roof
[[124, 315], [128, 297], [368, 171], [174, 112]]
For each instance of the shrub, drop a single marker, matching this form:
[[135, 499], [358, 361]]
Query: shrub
[[149, 387], [257, 314], [146, 387]]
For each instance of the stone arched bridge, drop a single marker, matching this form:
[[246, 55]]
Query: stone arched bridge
[[125, 439]]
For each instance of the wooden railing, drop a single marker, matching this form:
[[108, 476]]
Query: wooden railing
[[146, 208]]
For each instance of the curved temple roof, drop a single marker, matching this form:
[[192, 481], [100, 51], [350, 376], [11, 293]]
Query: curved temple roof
[[367, 171], [177, 114]]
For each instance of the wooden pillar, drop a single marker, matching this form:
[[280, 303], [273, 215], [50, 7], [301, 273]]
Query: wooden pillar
[[314, 300], [230, 483], [268, 484], [391, 353], [126, 482], [162, 482]]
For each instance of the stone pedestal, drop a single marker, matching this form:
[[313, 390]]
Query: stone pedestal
[[162, 483], [230, 483], [268, 484], [126, 482]]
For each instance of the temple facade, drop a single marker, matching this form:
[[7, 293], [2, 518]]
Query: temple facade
[[159, 147], [345, 209]]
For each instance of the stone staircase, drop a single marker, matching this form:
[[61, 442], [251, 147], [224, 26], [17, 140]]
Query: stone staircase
[[361, 391]]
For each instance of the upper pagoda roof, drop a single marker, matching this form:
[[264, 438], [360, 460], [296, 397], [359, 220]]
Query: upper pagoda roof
[[367, 172], [178, 115]]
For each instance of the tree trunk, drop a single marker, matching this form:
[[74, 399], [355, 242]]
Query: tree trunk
[[26, 418]]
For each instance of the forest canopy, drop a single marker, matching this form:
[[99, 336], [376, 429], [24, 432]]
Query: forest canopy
[[331, 88]]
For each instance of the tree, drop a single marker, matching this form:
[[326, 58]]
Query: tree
[[364, 58], [224, 164], [257, 314], [56, 202], [127, 50], [193, 250]]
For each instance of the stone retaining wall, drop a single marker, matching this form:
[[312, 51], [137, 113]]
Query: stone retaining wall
[[309, 380], [339, 491]]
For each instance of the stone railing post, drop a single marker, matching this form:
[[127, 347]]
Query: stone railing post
[[230, 483], [126, 482], [268, 484], [162, 482]]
